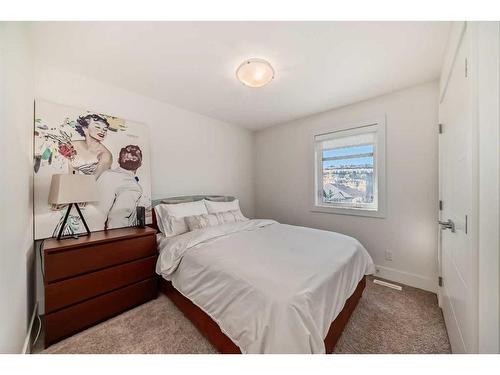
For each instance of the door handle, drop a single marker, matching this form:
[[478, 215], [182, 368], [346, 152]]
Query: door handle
[[447, 225]]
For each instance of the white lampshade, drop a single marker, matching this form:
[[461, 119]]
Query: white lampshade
[[255, 72], [72, 188]]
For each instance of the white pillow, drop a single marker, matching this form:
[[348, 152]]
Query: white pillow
[[211, 220], [216, 207], [170, 217], [202, 221]]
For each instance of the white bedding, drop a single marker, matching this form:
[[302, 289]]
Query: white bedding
[[272, 288]]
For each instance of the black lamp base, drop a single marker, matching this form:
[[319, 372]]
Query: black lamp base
[[59, 236]]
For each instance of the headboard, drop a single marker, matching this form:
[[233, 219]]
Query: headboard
[[184, 199]]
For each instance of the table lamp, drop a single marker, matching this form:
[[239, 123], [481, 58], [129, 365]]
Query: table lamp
[[72, 189]]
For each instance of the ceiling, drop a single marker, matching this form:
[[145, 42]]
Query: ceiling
[[319, 65]]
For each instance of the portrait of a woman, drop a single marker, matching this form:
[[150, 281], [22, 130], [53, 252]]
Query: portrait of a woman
[[90, 155], [114, 151]]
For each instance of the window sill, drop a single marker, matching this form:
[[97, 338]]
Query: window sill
[[349, 211]]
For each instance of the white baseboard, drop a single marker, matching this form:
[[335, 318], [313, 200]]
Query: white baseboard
[[410, 279], [29, 334]]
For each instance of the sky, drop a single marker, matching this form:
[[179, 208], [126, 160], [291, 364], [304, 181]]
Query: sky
[[346, 151]]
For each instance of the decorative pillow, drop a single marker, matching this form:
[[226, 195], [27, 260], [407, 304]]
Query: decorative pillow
[[231, 216], [170, 217], [215, 207], [210, 220], [201, 221]]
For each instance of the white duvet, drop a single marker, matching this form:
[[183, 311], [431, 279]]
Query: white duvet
[[272, 288]]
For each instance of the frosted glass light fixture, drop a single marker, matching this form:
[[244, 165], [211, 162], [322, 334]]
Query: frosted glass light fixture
[[255, 72]]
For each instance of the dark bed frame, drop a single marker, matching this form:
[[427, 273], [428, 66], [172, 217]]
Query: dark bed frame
[[224, 344]]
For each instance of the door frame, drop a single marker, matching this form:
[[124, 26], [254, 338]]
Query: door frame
[[488, 91]]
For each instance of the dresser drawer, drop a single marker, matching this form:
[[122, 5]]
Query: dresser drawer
[[68, 321], [68, 263], [70, 291]]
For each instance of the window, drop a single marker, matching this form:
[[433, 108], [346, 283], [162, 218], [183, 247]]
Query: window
[[349, 170]]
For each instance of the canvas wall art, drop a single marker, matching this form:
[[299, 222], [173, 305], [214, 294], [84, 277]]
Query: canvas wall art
[[114, 150]]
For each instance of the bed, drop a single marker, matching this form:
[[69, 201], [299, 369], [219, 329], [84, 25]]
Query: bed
[[258, 286]]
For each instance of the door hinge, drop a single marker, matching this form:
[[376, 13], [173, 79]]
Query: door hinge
[[440, 128], [440, 281], [466, 69], [440, 205]]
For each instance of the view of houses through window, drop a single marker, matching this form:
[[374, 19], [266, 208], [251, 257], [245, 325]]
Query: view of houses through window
[[348, 175]]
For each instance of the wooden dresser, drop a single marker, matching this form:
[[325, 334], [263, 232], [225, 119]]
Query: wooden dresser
[[92, 278]]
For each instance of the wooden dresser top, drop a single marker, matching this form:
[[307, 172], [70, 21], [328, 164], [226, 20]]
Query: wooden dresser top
[[52, 244]]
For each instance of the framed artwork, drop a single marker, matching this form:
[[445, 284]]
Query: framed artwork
[[114, 150]]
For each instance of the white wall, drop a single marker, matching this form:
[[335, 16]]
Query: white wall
[[190, 153], [16, 126], [409, 230]]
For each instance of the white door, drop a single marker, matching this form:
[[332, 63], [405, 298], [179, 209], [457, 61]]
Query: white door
[[456, 173]]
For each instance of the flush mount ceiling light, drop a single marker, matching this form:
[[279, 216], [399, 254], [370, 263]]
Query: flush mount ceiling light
[[255, 72]]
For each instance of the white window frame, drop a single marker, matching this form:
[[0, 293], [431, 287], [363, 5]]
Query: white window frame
[[379, 170]]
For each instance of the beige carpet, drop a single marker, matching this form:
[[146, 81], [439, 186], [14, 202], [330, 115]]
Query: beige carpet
[[385, 321]]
